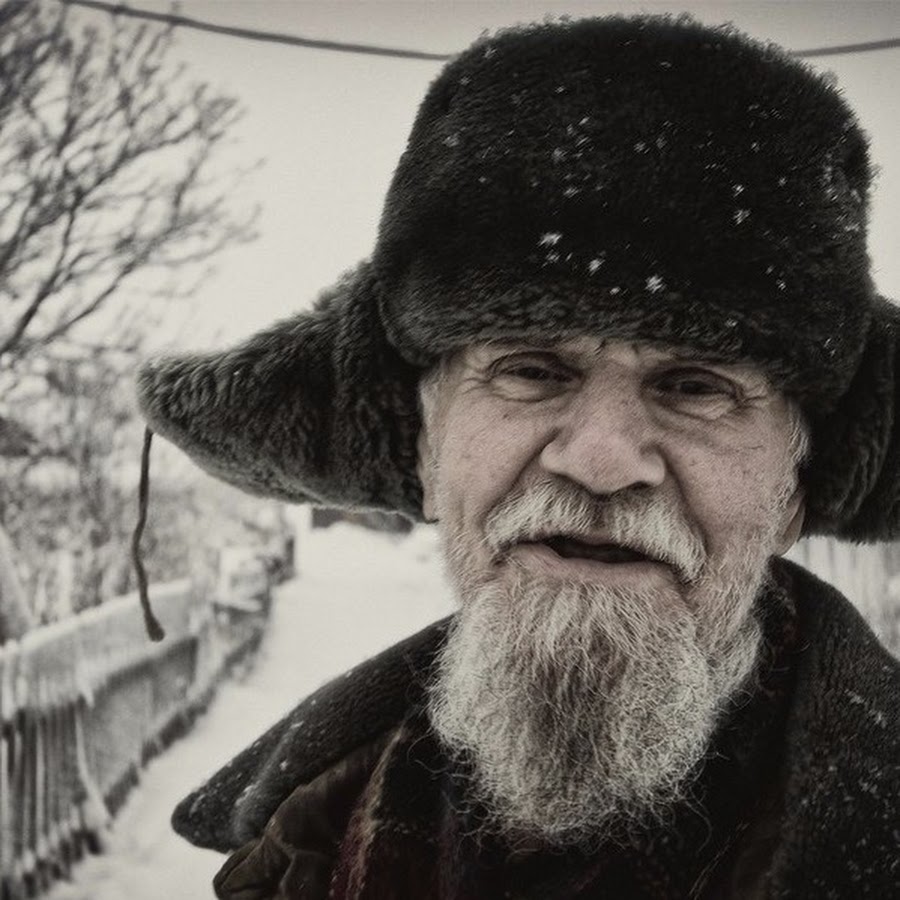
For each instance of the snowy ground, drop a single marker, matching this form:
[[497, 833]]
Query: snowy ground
[[356, 592]]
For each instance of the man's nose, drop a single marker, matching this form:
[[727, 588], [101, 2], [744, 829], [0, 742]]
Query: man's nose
[[606, 442]]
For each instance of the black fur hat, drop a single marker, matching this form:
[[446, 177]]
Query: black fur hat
[[639, 177]]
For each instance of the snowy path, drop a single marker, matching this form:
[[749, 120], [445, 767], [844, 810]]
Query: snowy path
[[356, 593]]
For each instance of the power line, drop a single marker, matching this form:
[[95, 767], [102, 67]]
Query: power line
[[276, 37], [849, 48], [269, 36]]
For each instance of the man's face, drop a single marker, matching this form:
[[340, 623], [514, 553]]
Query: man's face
[[610, 417], [608, 510]]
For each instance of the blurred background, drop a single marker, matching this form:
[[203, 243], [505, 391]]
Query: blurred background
[[170, 182]]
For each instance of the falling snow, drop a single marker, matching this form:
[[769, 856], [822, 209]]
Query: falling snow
[[876, 715]]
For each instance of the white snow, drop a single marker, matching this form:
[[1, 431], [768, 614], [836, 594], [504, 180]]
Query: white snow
[[655, 284], [356, 592]]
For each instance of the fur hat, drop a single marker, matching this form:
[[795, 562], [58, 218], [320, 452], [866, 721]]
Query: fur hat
[[636, 177]]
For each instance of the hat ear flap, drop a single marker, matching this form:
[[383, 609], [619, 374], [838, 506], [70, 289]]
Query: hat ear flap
[[852, 481], [376, 419], [232, 412], [318, 409]]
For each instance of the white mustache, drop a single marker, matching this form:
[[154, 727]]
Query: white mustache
[[644, 521]]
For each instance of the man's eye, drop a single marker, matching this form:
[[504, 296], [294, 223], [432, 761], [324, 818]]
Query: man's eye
[[529, 376], [697, 388], [533, 372]]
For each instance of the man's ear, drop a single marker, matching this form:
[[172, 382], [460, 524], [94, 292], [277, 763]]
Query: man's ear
[[794, 513], [425, 469]]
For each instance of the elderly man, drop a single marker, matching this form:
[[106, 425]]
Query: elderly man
[[619, 339]]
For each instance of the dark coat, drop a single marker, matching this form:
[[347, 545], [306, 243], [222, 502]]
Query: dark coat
[[834, 831]]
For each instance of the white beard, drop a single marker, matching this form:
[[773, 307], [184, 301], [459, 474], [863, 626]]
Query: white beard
[[583, 708]]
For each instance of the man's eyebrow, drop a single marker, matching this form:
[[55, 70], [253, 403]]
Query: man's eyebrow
[[681, 353], [687, 353], [539, 342], [485, 351], [744, 369], [705, 356], [562, 343]]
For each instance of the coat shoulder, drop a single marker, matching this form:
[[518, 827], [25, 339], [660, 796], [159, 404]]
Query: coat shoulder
[[848, 679], [841, 833], [347, 713]]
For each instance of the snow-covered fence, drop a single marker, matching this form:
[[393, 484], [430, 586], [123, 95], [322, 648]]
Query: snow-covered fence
[[83, 703]]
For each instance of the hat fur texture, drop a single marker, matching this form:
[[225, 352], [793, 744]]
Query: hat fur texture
[[645, 178]]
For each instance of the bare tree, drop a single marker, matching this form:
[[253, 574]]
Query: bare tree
[[107, 181], [71, 504], [104, 150]]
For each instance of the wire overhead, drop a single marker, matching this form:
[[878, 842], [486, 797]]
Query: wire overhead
[[275, 37], [272, 37], [849, 48]]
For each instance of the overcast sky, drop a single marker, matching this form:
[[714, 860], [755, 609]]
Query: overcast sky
[[331, 126]]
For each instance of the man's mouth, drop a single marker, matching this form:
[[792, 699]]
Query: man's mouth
[[574, 548]]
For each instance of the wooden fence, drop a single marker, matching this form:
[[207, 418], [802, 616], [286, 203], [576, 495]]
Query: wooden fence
[[83, 704]]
